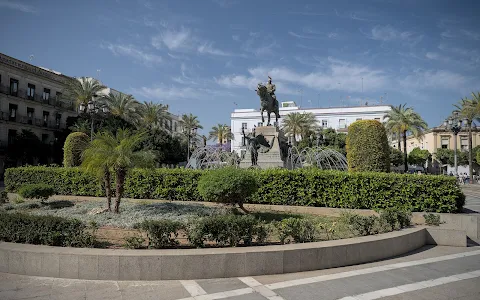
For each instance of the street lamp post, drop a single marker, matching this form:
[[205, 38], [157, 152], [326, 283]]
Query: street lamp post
[[454, 124], [93, 107]]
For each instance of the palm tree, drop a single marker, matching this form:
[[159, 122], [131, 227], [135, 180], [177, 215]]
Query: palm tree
[[118, 154], [393, 125], [404, 120], [299, 124], [469, 110], [221, 132], [122, 105], [81, 126], [96, 160], [82, 90], [189, 122], [153, 115]]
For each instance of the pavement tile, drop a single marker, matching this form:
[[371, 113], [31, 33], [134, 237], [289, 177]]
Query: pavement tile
[[253, 296], [220, 285]]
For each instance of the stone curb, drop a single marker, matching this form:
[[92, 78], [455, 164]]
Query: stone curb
[[175, 264]]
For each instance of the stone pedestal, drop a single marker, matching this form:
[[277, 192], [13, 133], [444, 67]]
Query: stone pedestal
[[268, 157]]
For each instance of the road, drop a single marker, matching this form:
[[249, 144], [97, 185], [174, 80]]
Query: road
[[472, 201], [436, 273]]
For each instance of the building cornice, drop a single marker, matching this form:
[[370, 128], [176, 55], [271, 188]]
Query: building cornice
[[21, 65]]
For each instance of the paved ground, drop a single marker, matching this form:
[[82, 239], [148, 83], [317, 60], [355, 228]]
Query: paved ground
[[472, 193], [435, 273]]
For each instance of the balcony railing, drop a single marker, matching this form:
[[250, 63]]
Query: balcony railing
[[51, 124], [54, 100]]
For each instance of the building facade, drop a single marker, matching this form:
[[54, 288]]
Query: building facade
[[30, 98], [338, 118], [440, 137]]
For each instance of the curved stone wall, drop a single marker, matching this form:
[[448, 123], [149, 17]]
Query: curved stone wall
[[119, 264]]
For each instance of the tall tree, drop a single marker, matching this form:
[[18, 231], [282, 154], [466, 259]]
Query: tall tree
[[122, 105], [220, 133], [123, 155], [406, 121], [469, 110], [153, 115], [82, 90], [297, 124], [394, 122], [190, 121]]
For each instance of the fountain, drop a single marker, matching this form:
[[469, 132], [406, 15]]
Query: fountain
[[320, 157]]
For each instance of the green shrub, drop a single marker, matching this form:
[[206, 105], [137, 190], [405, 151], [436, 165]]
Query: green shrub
[[298, 229], [396, 218], [227, 185], [367, 147], [432, 219], [134, 242], [388, 220], [303, 187], [3, 197], [161, 233], [74, 145], [44, 230], [36, 191], [226, 230]]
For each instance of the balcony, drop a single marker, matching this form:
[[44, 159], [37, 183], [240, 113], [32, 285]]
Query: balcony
[[57, 101], [51, 124]]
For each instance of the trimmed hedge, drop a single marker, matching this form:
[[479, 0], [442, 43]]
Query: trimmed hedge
[[304, 187], [44, 230], [367, 147], [36, 191], [74, 145]]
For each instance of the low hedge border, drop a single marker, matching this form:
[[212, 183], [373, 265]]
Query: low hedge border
[[303, 187]]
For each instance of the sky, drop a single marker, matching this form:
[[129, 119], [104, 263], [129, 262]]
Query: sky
[[206, 56]]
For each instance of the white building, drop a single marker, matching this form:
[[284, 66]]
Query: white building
[[338, 118]]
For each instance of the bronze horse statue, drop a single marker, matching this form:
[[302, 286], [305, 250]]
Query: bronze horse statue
[[268, 103]]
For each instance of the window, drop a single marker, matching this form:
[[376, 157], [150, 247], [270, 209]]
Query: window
[[31, 91], [58, 118], [46, 94], [260, 124], [464, 143], [12, 133], [175, 126], [445, 140], [13, 87], [359, 119], [45, 118], [44, 138], [58, 95], [324, 123], [244, 126], [30, 112], [342, 124], [243, 141], [12, 108], [377, 119]]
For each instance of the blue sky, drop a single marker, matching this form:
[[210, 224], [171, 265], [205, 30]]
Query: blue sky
[[206, 56]]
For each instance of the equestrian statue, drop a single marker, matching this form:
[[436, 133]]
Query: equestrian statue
[[268, 100]]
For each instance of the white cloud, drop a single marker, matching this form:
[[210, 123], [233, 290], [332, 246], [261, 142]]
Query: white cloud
[[460, 33], [333, 35], [225, 3], [15, 5], [236, 38], [301, 36], [347, 74], [434, 79], [170, 92], [173, 40], [132, 51], [260, 44], [207, 48], [388, 33]]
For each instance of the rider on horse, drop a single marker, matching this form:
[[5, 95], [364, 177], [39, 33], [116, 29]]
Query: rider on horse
[[271, 88]]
